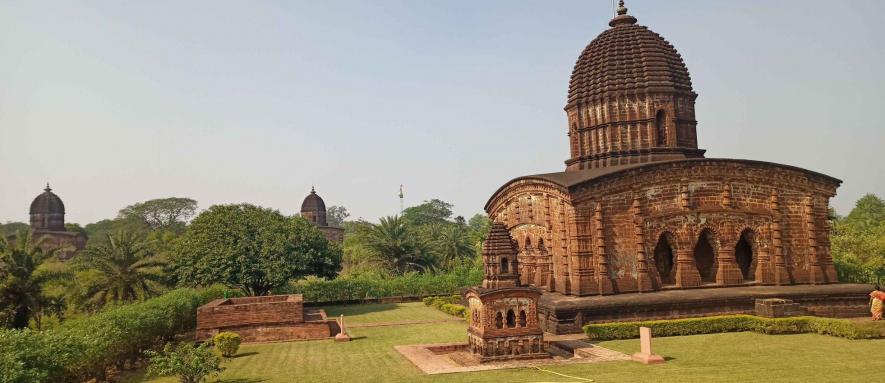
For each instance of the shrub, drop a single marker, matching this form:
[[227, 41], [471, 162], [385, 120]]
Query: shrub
[[733, 323], [227, 343], [83, 349], [190, 364], [366, 287]]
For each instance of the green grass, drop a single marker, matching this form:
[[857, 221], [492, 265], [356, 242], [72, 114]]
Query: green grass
[[385, 313], [732, 357]]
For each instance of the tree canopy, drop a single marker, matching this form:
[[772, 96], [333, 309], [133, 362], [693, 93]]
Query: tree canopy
[[251, 248], [162, 214]]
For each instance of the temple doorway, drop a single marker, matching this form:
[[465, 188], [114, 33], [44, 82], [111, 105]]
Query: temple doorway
[[664, 260], [743, 254], [704, 257]]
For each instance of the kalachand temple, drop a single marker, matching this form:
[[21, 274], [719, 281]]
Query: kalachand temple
[[639, 208], [48, 225], [313, 209]]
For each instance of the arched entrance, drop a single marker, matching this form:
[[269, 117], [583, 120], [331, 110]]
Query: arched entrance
[[743, 254], [705, 256], [664, 260]]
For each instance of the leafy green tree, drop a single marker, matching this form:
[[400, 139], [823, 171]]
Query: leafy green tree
[[24, 269], [11, 228], [430, 212], [98, 231], [162, 214], [190, 364], [479, 226], [335, 215], [396, 245], [251, 248], [126, 269], [859, 237]]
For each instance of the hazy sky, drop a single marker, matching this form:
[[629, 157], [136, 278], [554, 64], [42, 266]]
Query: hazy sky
[[115, 102]]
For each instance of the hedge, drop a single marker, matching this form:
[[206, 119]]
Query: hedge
[[360, 288], [734, 323], [448, 305], [83, 349]]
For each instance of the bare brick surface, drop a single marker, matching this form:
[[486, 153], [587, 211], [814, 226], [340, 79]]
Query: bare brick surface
[[262, 319]]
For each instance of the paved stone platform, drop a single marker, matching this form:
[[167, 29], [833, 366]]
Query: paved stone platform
[[561, 314], [446, 358]]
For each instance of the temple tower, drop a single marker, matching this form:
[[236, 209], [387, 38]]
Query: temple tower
[[630, 100]]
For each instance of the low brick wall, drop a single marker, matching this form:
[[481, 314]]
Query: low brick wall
[[262, 319]]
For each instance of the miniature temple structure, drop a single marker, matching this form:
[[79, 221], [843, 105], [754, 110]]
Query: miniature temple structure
[[47, 224], [639, 208], [314, 210], [503, 312]]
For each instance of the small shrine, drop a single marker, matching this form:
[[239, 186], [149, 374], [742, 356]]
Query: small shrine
[[503, 312]]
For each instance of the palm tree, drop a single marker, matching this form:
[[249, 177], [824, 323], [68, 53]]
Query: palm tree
[[454, 245], [21, 288], [395, 244], [127, 269]]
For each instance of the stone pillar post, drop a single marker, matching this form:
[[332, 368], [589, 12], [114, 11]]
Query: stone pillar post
[[686, 271], [728, 272], [644, 281], [781, 272], [603, 279], [763, 274]]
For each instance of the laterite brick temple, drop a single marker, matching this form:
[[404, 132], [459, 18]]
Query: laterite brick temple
[[639, 208]]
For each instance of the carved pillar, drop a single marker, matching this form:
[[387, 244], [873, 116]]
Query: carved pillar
[[816, 272], [582, 274], [728, 272], [603, 279], [644, 281], [686, 270], [763, 275], [781, 273]]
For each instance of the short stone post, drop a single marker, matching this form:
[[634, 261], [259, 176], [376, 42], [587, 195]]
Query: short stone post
[[646, 356], [342, 336]]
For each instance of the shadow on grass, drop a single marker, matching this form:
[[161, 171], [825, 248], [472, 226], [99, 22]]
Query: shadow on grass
[[242, 354], [348, 310], [241, 380], [669, 358]]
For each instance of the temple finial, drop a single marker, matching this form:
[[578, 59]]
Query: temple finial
[[622, 17], [312, 190], [48, 189]]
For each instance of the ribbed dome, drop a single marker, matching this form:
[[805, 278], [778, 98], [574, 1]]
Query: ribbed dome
[[627, 59], [47, 203], [314, 209]]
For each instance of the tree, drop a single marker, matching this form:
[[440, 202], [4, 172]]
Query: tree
[[11, 228], [24, 270], [479, 226], [162, 214], [126, 268], [454, 245], [335, 215], [190, 364], [251, 248], [98, 231], [395, 244], [859, 237], [430, 212]]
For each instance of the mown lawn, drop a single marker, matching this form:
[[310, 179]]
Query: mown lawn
[[735, 357]]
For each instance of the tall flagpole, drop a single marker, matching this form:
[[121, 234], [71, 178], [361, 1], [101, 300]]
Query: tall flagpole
[[400, 199]]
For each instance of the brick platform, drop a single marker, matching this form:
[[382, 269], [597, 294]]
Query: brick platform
[[560, 314], [263, 319]]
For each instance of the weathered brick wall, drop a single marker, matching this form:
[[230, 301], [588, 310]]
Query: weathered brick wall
[[606, 230], [221, 313], [278, 332]]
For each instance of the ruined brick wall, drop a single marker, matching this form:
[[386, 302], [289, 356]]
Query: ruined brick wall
[[763, 222], [260, 319]]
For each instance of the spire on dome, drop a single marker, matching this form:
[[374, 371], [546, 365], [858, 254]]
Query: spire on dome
[[48, 189], [622, 18]]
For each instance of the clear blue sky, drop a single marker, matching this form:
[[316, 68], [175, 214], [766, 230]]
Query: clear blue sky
[[115, 102]]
